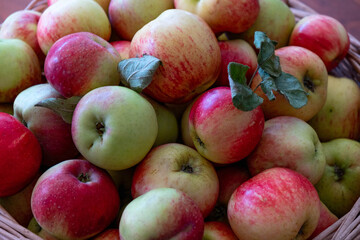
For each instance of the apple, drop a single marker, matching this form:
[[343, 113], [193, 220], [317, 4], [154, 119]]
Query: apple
[[184, 125], [109, 234], [74, 199], [292, 143], [52, 132], [20, 155], [221, 132], [178, 166], [123, 48], [326, 219], [114, 127], [95, 60], [338, 188], [277, 204], [227, 15], [66, 17], [162, 213], [36, 228], [218, 230], [7, 108], [22, 25], [188, 50], [19, 68], [324, 35], [103, 3], [128, 16], [311, 72], [340, 115], [239, 51]]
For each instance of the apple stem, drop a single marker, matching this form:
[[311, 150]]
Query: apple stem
[[84, 177]]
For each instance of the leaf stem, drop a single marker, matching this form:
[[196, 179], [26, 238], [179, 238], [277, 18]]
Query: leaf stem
[[253, 75]]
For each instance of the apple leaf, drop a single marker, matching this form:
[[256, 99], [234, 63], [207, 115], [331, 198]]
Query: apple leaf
[[268, 84], [63, 107], [242, 95], [137, 73]]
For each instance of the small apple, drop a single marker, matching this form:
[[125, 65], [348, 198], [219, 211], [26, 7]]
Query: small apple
[[178, 166], [162, 213], [221, 132], [20, 155], [114, 127], [323, 35], [74, 200], [277, 204], [123, 48], [218, 230]]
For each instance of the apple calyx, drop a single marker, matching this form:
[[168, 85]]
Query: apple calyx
[[273, 79], [100, 128], [187, 168], [84, 177], [308, 83], [339, 173]]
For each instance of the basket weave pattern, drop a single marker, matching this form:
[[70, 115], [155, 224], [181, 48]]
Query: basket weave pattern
[[346, 228]]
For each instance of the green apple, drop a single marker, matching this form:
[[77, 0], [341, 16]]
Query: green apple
[[339, 186], [340, 116], [114, 127]]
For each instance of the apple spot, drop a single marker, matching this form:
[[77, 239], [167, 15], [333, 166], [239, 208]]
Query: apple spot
[[200, 142], [84, 177], [339, 173], [308, 83]]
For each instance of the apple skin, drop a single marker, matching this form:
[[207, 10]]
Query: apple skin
[[23, 25], [326, 219], [19, 68], [103, 3], [289, 203], [239, 51], [52, 132], [114, 127], [66, 17], [309, 69], [165, 213], [178, 166], [123, 48], [109, 234], [340, 116], [227, 15], [20, 155], [184, 125], [96, 62], [64, 194], [289, 142], [128, 16], [218, 230], [338, 187], [188, 50], [324, 35], [221, 132]]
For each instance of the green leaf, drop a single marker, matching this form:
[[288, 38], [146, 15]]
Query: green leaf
[[267, 84], [242, 95], [137, 73], [63, 107], [290, 87]]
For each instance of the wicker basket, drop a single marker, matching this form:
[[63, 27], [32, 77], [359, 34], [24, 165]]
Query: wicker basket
[[346, 228]]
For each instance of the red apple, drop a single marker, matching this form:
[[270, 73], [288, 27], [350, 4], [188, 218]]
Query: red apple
[[324, 35], [95, 60], [20, 155], [75, 200], [123, 48], [218, 231], [277, 204], [221, 132], [326, 219]]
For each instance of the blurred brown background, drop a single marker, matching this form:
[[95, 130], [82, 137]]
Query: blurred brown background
[[346, 11]]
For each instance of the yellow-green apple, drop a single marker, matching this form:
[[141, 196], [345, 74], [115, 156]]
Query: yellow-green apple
[[227, 15], [108, 234], [275, 19], [114, 127], [23, 25], [52, 132], [103, 3], [218, 230], [65, 17], [277, 204], [292, 143], [239, 51], [221, 132], [162, 213], [20, 155], [128, 16], [123, 48], [178, 166], [7, 108], [338, 187], [19, 68], [340, 116], [184, 125], [189, 53], [36, 228], [95, 60], [74, 199], [326, 219], [311, 72], [324, 35]]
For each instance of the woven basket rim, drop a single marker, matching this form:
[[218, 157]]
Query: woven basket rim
[[344, 227]]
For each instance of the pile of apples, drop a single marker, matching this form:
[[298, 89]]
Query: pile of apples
[[130, 119]]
